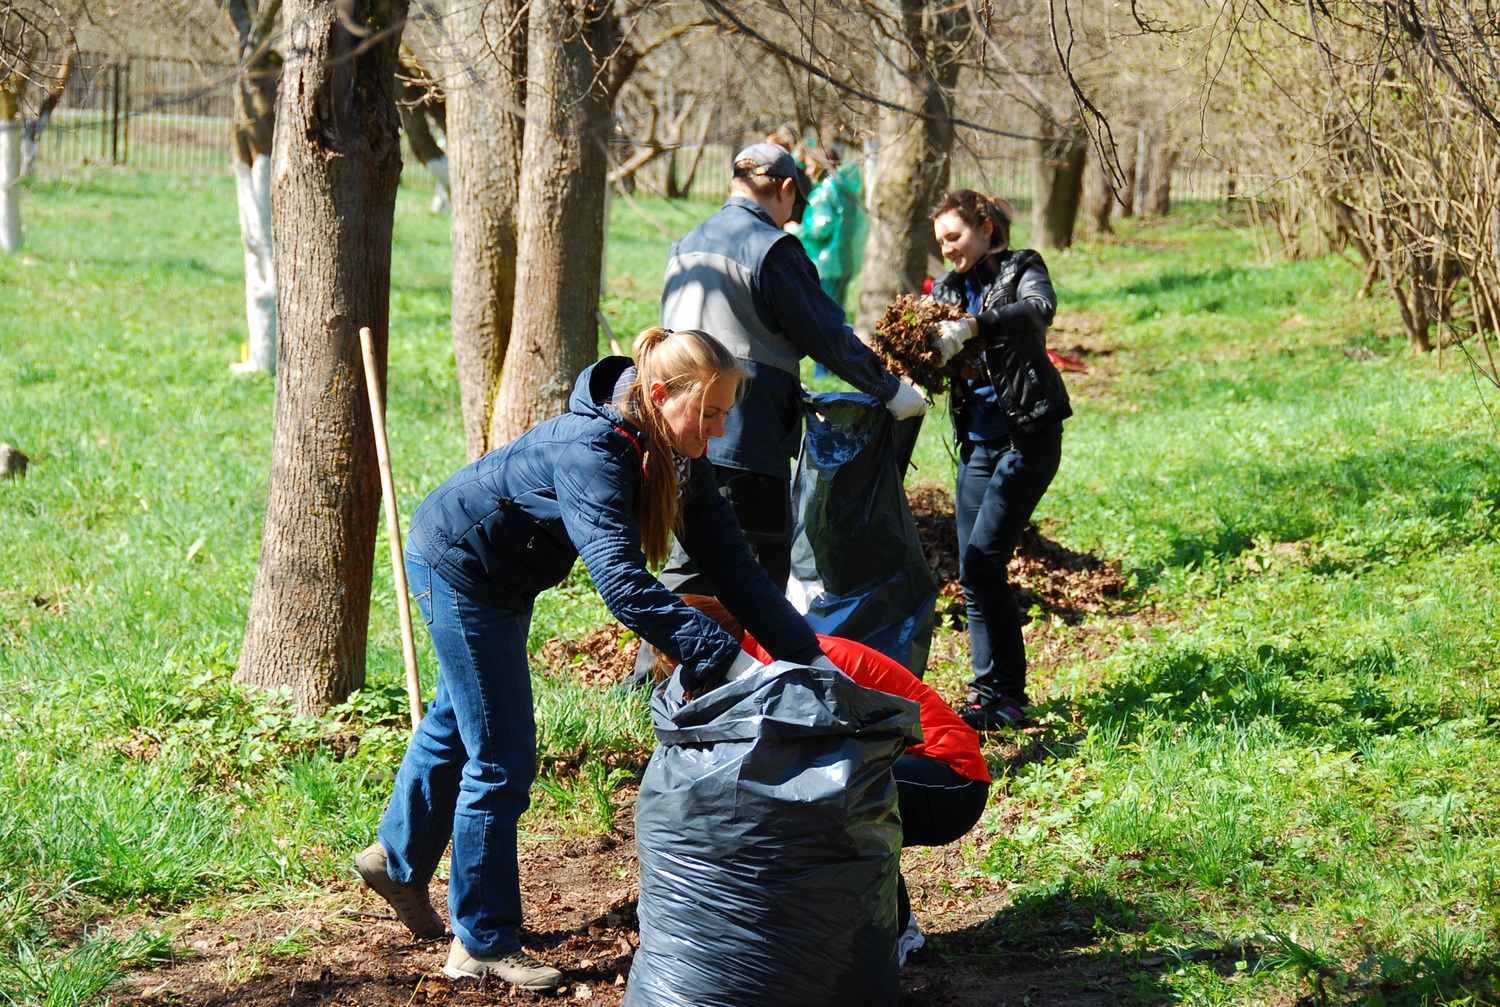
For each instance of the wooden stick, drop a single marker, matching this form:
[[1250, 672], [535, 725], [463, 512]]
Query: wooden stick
[[392, 526], [614, 344]]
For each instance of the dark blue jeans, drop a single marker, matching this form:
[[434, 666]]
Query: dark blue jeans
[[468, 771], [999, 485]]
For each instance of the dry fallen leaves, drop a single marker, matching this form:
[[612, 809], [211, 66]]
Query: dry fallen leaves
[[903, 341]]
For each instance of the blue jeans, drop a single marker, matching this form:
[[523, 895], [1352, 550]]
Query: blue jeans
[[468, 771], [999, 485]]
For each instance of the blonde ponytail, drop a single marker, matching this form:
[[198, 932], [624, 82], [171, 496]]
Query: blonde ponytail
[[686, 362]]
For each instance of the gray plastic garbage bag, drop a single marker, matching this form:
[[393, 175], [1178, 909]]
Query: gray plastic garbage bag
[[769, 844], [858, 570]]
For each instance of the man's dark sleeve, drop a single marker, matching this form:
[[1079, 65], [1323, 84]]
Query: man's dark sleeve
[[808, 317]]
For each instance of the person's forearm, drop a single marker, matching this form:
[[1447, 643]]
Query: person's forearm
[[814, 324], [1000, 325]]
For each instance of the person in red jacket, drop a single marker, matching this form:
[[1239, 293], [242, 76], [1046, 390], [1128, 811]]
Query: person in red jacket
[[942, 784]]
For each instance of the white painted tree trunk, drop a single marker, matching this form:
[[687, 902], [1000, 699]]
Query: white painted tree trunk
[[252, 183], [438, 169], [10, 180]]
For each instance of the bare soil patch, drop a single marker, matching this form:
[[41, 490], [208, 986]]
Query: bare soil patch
[[581, 892], [602, 658], [580, 906], [1086, 358]]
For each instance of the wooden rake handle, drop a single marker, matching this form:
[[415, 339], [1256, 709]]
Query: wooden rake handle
[[392, 526]]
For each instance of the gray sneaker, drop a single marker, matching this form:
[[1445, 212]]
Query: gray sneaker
[[411, 904], [517, 967]]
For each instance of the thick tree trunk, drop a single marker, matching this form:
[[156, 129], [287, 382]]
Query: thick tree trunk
[[484, 67], [336, 164], [912, 154], [1057, 187], [561, 246]]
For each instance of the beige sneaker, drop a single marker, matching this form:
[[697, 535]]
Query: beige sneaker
[[517, 967], [411, 904]]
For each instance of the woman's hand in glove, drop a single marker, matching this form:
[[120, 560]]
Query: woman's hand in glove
[[949, 337]]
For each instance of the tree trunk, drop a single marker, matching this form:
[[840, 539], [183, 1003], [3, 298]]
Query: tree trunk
[[255, 115], [1098, 197], [1057, 187], [1154, 161], [252, 186], [485, 67], [32, 129], [335, 168], [679, 181], [912, 152], [414, 101], [1156, 195], [10, 180], [561, 246], [1125, 195]]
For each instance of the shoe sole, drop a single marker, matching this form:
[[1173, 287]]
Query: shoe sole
[[364, 880], [453, 973]]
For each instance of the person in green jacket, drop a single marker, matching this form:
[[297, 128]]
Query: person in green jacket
[[833, 226]]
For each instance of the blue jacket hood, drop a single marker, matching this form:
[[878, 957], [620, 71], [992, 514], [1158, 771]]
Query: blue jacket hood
[[594, 391]]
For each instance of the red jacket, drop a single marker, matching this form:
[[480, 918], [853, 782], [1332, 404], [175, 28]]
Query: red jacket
[[945, 737]]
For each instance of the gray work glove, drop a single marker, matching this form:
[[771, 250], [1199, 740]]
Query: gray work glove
[[907, 402], [742, 666]]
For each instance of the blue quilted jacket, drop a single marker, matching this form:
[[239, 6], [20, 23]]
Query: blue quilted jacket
[[508, 526]]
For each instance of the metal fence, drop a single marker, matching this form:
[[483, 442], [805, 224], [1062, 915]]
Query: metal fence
[[178, 114], [1010, 177], [144, 111]]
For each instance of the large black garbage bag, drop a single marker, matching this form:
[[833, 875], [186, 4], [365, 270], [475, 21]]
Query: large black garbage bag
[[769, 844], [858, 570]]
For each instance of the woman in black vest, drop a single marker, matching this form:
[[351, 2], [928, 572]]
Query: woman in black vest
[[1008, 422]]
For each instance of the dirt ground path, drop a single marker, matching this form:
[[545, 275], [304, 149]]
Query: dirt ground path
[[581, 893], [580, 904]]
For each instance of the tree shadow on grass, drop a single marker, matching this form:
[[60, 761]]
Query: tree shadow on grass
[[1311, 695], [1428, 491], [1064, 947]]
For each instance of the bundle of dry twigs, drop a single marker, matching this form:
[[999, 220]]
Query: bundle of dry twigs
[[903, 341]]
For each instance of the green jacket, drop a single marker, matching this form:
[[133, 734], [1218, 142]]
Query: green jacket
[[833, 228]]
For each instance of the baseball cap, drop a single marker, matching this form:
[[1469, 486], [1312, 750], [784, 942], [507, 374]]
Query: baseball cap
[[774, 162]]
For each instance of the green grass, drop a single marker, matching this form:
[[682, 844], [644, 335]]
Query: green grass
[[1274, 779]]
